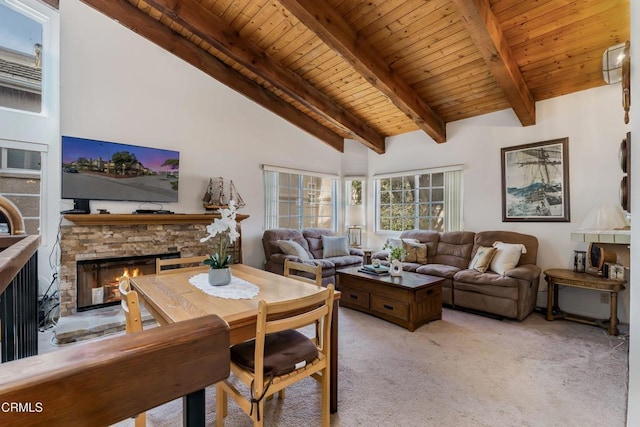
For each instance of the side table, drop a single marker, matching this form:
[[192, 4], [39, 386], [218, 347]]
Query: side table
[[557, 276]]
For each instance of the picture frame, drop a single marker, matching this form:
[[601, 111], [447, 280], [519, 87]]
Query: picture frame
[[535, 182]]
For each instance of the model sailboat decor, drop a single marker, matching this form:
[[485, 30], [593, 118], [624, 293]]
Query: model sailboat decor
[[218, 197]]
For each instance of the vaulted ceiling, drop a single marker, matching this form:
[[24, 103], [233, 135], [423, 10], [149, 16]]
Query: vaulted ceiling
[[369, 69]]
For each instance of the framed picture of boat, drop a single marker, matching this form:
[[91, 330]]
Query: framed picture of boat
[[535, 182]]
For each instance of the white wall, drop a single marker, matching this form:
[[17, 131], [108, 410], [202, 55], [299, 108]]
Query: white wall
[[592, 120], [119, 87]]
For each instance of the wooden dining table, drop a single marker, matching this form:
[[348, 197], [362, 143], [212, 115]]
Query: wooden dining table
[[170, 298]]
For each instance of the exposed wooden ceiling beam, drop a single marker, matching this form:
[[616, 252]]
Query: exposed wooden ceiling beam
[[141, 23], [336, 32], [208, 26], [486, 34], [53, 3]]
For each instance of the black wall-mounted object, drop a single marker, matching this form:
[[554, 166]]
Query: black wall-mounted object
[[80, 206], [625, 164]]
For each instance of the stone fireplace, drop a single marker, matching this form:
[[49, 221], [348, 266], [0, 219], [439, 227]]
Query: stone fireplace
[[98, 236]]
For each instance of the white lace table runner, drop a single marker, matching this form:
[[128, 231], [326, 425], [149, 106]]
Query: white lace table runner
[[237, 289]]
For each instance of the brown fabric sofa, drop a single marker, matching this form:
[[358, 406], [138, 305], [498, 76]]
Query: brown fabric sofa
[[311, 241], [510, 295]]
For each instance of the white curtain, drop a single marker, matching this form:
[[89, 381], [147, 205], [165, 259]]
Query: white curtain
[[453, 201], [270, 199]]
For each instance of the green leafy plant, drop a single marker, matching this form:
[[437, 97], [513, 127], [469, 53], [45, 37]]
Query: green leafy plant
[[226, 228], [214, 261], [395, 252]]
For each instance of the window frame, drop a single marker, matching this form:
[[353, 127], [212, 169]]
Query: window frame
[[37, 12], [415, 218], [354, 231], [272, 189]]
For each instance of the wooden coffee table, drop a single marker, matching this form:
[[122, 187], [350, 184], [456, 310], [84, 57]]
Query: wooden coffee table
[[410, 300]]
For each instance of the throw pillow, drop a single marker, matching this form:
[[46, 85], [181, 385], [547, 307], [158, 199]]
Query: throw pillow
[[414, 252], [335, 246], [291, 247], [507, 256], [482, 259]]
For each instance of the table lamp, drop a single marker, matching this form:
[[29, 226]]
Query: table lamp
[[354, 219]]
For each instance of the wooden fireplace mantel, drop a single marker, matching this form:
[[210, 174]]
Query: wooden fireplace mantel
[[134, 219]]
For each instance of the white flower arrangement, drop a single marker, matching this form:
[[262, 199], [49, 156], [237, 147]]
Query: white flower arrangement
[[226, 228]]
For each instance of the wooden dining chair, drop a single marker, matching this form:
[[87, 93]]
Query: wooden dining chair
[[191, 263], [133, 321], [280, 355], [293, 269]]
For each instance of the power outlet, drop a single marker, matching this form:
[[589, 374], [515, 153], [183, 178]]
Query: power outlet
[[604, 297]]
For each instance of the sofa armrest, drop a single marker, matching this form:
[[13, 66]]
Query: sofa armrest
[[356, 251], [529, 272]]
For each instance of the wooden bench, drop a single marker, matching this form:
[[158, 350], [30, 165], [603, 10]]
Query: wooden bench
[[101, 383]]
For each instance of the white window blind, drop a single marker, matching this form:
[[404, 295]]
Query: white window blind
[[299, 199]]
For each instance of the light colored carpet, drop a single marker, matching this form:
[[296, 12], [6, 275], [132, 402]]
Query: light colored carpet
[[465, 370]]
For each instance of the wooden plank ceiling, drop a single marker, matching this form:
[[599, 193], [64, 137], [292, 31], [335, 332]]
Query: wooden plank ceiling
[[368, 69]]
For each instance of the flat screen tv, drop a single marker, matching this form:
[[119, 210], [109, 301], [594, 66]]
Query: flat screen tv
[[100, 170]]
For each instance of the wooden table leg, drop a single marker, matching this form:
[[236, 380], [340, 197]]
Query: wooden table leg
[[194, 409], [333, 362], [551, 288], [613, 316]]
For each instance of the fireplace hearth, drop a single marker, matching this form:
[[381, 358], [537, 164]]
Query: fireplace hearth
[[98, 279]]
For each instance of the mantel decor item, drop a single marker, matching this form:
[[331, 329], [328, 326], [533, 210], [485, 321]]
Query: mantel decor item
[[216, 197], [535, 182], [226, 230]]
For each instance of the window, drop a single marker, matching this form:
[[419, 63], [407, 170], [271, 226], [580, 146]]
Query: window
[[426, 200], [29, 116], [299, 199], [21, 53], [20, 180], [354, 212], [354, 191]]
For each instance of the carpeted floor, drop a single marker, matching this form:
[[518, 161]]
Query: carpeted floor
[[465, 370]]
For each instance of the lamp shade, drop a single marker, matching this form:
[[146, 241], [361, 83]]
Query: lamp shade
[[604, 217], [612, 64], [354, 215]]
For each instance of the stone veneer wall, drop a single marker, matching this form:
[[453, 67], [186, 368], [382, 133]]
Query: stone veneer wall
[[79, 243]]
